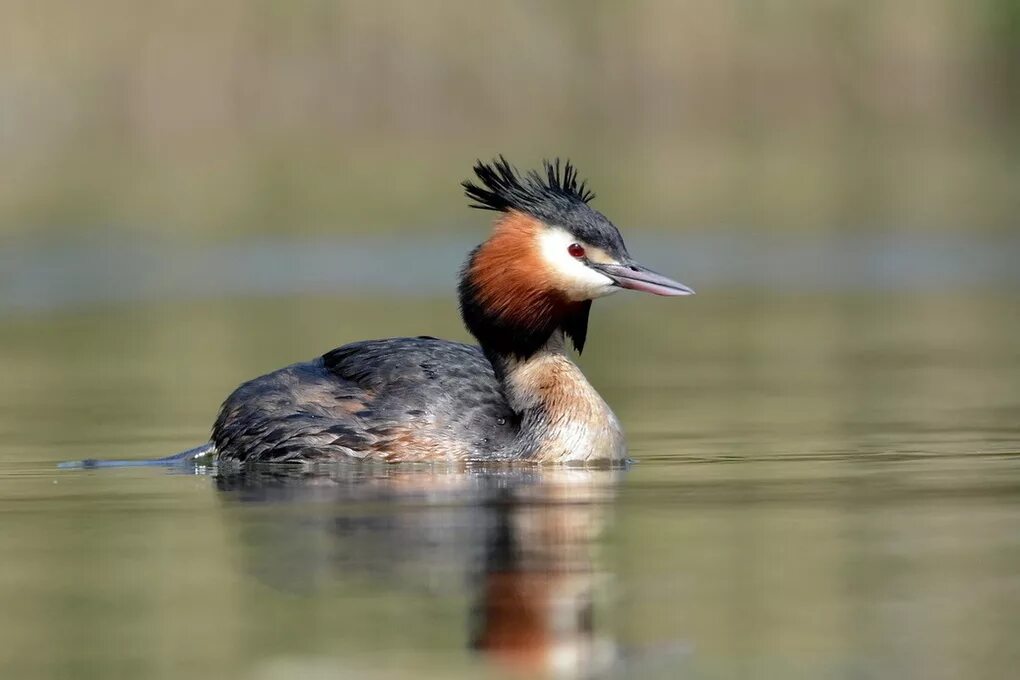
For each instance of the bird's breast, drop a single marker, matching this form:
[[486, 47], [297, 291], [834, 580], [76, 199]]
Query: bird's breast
[[570, 420]]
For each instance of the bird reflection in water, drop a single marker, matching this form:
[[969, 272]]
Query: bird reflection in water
[[521, 541]]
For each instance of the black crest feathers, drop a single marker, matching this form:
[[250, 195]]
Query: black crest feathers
[[503, 188]]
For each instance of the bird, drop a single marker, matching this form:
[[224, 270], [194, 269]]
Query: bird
[[515, 397]]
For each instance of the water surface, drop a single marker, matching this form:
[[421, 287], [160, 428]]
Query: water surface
[[826, 485]]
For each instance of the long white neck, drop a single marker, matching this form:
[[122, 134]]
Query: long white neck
[[563, 418]]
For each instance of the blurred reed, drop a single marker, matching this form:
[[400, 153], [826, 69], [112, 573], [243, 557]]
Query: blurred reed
[[230, 118]]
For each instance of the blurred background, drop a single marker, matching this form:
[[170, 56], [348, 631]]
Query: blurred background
[[254, 144], [194, 193], [224, 120]]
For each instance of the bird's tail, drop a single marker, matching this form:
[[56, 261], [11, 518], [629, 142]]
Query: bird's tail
[[193, 456]]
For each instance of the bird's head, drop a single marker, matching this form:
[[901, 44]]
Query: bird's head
[[550, 254]]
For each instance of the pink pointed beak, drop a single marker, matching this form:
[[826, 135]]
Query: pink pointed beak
[[638, 277]]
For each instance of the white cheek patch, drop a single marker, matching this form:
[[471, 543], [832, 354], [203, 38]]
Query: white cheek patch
[[577, 280]]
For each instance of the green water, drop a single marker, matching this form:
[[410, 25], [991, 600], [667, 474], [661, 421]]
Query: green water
[[827, 486]]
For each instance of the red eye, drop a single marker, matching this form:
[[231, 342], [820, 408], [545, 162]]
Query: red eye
[[575, 250]]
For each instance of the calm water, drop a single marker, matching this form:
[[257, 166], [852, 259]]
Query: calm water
[[827, 486]]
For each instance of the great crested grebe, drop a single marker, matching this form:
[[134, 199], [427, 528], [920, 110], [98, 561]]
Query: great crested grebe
[[515, 397]]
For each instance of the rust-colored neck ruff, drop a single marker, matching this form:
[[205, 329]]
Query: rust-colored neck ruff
[[511, 279], [508, 297]]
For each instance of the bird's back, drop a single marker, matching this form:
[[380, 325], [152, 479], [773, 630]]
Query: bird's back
[[395, 399]]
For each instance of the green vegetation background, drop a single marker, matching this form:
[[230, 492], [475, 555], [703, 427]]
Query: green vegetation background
[[218, 120]]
